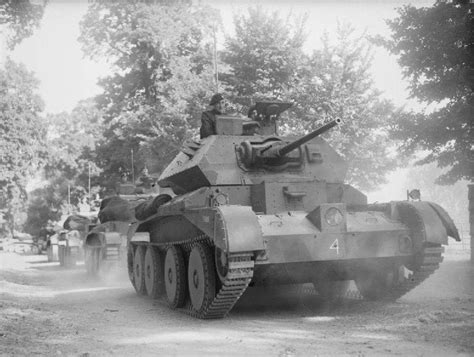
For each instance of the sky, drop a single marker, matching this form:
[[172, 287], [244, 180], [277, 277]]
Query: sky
[[66, 76]]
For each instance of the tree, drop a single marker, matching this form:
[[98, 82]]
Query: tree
[[20, 17], [162, 69], [264, 54], [435, 47], [335, 82], [22, 138]]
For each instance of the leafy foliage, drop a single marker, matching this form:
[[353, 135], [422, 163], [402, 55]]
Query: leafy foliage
[[435, 47], [22, 143], [21, 17], [337, 84], [72, 141], [267, 62], [161, 59], [264, 55]]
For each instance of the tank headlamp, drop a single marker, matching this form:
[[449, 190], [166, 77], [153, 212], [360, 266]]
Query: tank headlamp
[[221, 199], [333, 216]]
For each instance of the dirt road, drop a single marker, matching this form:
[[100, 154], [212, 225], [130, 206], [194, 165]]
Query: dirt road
[[47, 311]]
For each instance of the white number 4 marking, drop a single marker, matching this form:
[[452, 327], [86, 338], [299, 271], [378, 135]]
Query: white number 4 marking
[[335, 245]]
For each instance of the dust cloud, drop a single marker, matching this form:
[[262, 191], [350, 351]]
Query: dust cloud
[[47, 310], [33, 276]]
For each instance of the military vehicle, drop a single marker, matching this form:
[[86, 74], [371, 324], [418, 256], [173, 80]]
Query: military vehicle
[[70, 240], [106, 242], [52, 247], [254, 208]]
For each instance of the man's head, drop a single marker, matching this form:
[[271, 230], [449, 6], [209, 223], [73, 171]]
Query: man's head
[[218, 102], [252, 113]]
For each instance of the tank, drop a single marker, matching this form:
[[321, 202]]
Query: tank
[[105, 242], [70, 240], [252, 208]]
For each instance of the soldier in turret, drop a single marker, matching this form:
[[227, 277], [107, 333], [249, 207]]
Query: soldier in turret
[[252, 112], [208, 118], [144, 181]]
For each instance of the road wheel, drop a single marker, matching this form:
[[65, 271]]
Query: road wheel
[[201, 277], [222, 263], [130, 264], [70, 258], [153, 272], [49, 253], [61, 256], [139, 270], [35, 250], [175, 277], [92, 258], [72, 261]]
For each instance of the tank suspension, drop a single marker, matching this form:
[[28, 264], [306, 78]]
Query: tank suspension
[[425, 261], [429, 258], [231, 286]]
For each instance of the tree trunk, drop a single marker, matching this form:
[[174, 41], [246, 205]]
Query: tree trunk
[[471, 219]]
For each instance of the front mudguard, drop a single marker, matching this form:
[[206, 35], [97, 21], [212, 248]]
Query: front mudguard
[[428, 222], [110, 233], [232, 228], [448, 223]]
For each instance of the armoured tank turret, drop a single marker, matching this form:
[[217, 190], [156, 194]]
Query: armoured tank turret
[[252, 207]]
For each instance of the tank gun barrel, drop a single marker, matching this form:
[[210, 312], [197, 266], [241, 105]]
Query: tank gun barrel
[[322, 129]]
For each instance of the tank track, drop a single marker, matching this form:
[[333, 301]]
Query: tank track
[[236, 282], [240, 273], [430, 258], [427, 258], [239, 276]]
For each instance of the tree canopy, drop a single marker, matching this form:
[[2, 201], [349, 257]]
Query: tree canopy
[[162, 70], [21, 17], [264, 55], [435, 47], [337, 83]]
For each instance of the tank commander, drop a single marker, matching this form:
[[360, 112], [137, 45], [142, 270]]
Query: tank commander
[[252, 127], [208, 118], [144, 182], [252, 113]]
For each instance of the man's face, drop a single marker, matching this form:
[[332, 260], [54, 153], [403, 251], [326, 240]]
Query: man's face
[[253, 114], [220, 105]]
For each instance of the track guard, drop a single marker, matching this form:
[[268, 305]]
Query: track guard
[[447, 221], [95, 239], [425, 222], [232, 228], [239, 228]]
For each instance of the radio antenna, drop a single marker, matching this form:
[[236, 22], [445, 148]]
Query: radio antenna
[[216, 71], [133, 169]]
